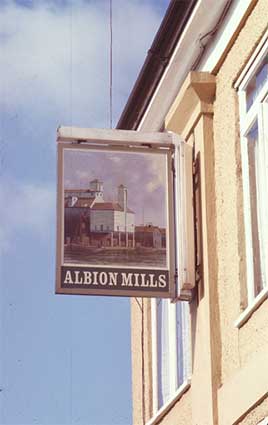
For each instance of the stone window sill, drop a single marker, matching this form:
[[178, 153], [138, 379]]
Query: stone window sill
[[165, 409], [245, 315]]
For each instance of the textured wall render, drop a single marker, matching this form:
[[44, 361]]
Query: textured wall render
[[238, 346]]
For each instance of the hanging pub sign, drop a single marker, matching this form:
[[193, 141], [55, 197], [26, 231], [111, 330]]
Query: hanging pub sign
[[115, 213]]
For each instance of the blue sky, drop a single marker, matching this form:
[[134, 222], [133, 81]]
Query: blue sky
[[63, 359]]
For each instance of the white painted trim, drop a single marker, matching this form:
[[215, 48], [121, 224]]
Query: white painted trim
[[199, 24], [263, 422], [154, 353], [245, 315], [244, 389], [250, 68], [247, 119], [247, 218], [167, 406], [172, 360], [264, 127], [262, 194], [216, 50]]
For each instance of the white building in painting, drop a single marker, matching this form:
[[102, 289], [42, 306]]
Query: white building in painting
[[106, 223], [114, 217]]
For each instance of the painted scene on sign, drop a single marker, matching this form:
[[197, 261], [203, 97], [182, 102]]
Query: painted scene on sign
[[115, 208]]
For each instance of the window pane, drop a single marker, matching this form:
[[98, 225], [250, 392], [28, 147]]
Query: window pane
[[172, 347], [180, 343], [163, 364], [257, 82], [255, 185], [183, 342]]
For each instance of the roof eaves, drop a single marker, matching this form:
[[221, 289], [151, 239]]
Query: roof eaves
[[157, 59]]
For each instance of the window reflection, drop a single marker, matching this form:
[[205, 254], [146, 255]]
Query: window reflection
[[257, 82], [172, 349], [181, 343], [163, 352], [255, 206]]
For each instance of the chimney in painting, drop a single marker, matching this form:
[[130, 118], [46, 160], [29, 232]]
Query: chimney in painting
[[122, 196]]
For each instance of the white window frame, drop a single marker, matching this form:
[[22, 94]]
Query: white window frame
[[263, 422], [255, 113], [175, 390]]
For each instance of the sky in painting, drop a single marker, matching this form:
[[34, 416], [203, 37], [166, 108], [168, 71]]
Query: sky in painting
[[144, 175], [63, 359]]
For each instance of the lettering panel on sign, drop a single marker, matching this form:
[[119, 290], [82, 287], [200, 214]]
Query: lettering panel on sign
[[114, 280]]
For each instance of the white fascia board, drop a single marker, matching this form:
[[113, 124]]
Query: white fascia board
[[186, 52], [203, 19], [215, 51]]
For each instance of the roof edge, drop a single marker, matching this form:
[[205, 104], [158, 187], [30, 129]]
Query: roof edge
[[157, 59]]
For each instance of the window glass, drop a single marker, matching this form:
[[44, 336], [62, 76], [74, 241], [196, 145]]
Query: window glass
[[163, 365], [172, 348], [254, 156], [257, 82], [180, 344], [255, 205]]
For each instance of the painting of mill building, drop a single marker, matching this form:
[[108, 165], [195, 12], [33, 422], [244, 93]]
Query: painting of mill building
[[90, 221], [104, 232]]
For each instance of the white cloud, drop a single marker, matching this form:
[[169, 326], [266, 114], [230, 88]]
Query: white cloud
[[55, 63], [158, 172], [57, 59], [82, 175], [25, 207]]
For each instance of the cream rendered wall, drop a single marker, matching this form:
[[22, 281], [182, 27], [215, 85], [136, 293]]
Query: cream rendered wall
[[192, 117], [183, 416], [231, 269], [248, 345], [141, 356], [256, 416]]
